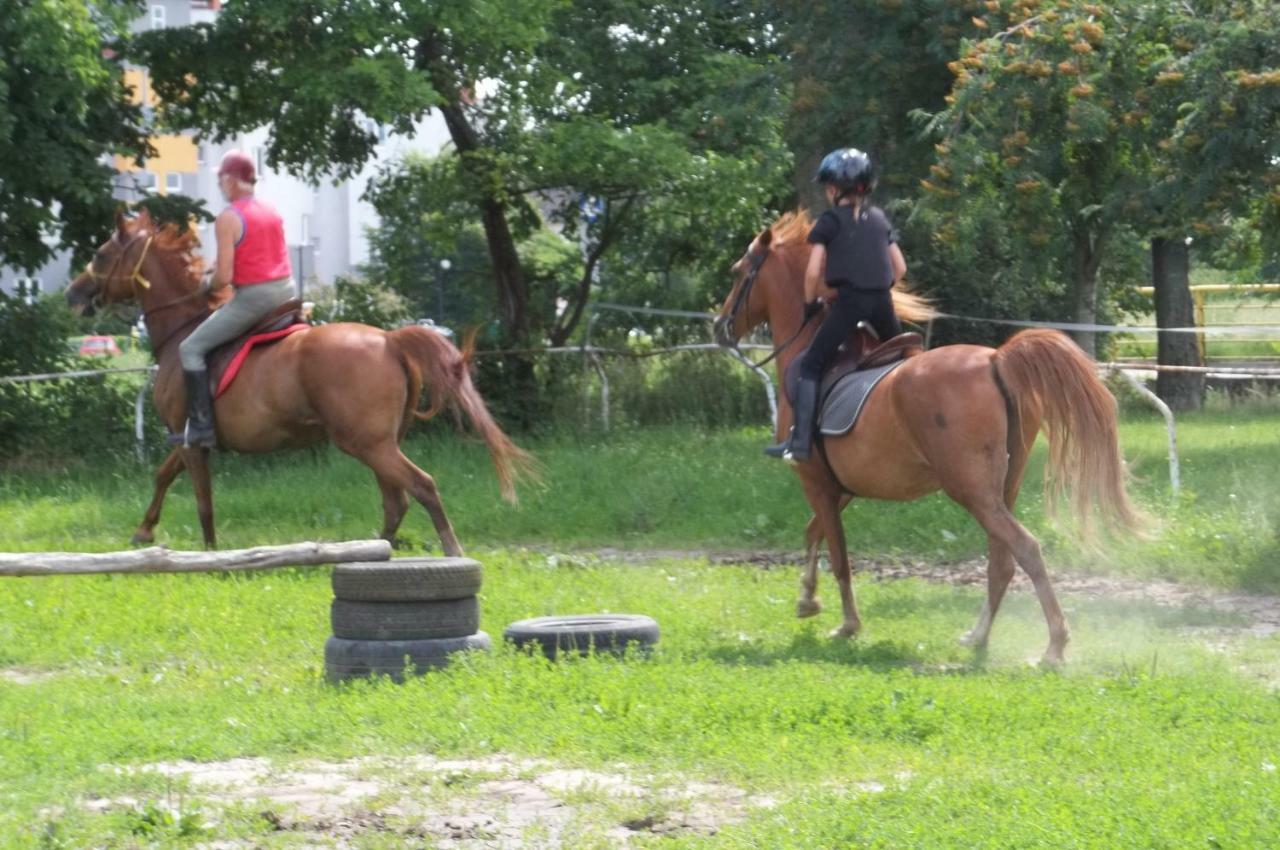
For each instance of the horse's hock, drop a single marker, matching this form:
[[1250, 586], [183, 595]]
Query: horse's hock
[[407, 615]]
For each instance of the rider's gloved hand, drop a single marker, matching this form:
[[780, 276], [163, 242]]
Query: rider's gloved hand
[[812, 308]]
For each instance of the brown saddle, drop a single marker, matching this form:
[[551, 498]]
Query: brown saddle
[[861, 351], [286, 315]]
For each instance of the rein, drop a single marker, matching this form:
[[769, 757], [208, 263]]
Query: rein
[[757, 260]]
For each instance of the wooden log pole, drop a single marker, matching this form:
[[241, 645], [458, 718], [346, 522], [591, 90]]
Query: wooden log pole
[[158, 559]]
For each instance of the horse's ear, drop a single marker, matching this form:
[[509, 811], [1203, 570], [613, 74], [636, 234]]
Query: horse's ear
[[766, 237], [143, 220], [122, 223]]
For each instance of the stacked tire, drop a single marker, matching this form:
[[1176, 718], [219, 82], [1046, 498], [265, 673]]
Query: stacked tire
[[407, 615]]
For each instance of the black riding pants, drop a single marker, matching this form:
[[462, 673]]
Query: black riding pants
[[851, 306]]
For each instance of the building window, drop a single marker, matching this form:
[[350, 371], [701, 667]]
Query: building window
[[172, 182], [28, 289], [157, 17], [257, 158], [200, 155], [144, 182]]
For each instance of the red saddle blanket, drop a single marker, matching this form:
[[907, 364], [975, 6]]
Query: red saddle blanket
[[242, 348]]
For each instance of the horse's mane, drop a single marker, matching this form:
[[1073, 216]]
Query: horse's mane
[[793, 227], [177, 249]]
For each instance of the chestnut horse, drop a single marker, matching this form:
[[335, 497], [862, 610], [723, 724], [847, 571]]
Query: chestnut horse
[[355, 385], [960, 418]]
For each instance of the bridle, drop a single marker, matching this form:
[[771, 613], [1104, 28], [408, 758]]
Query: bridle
[[744, 293], [136, 278]]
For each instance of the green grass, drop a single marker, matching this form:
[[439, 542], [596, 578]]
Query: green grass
[[1149, 738], [1146, 740], [679, 488]]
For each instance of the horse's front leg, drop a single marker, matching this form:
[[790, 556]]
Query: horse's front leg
[[165, 474], [197, 462], [827, 500], [808, 605]]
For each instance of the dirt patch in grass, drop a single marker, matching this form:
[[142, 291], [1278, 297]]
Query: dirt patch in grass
[[462, 803], [1259, 613]]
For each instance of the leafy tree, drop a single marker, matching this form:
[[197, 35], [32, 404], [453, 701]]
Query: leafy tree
[[544, 100], [63, 107], [1076, 128]]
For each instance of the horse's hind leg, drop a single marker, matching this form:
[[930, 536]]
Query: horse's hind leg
[[395, 470], [165, 474], [1002, 526], [395, 503], [1000, 570]]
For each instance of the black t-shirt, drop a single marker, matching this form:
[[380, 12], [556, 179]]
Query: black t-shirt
[[857, 250]]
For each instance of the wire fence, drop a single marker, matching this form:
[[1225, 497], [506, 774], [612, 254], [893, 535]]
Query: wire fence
[[594, 356]]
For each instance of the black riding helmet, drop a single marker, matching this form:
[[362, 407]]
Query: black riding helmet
[[849, 169]]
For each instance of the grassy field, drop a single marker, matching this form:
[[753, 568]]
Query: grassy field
[[1163, 731], [681, 489]]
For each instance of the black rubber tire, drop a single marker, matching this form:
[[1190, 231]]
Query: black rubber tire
[[407, 580], [356, 659], [404, 620], [583, 633]]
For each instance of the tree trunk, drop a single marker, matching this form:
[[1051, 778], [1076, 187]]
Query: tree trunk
[[508, 274], [1086, 258], [1170, 273]]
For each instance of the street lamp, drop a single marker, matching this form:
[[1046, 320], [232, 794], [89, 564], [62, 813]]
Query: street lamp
[[445, 265]]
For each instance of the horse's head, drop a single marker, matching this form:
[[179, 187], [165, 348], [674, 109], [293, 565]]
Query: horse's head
[[141, 262], [746, 305], [115, 272]]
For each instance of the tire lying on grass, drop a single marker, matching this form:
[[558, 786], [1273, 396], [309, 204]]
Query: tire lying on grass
[[355, 659], [401, 621], [407, 580], [584, 633]]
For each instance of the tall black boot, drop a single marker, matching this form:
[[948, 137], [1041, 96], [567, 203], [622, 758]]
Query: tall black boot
[[798, 444], [199, 431]]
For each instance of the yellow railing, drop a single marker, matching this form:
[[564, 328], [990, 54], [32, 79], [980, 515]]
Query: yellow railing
[[1200, 291]]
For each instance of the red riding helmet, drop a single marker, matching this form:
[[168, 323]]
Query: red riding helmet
[[239, 165]]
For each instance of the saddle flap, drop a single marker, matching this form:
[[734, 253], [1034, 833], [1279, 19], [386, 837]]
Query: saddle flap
[[225, 360], [859, 353], [841, 407]]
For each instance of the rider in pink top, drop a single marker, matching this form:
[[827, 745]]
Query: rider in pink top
[[252, 257], [260, 253]]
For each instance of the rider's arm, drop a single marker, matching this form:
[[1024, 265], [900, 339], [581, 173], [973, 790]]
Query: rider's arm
[[899, 262], [813, 275], [227, 230]]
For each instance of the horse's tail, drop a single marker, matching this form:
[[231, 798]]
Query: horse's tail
[[1047, 377], [431, 359]]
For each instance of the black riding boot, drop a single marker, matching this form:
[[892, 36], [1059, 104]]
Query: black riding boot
[[798, 443], [199, 430]]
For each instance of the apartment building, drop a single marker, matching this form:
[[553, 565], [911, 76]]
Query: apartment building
[[325, 223]]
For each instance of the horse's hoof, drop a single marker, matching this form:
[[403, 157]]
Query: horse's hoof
[[808, 608], [142, 540], [971, 638], [1053, 660], [845, 632]]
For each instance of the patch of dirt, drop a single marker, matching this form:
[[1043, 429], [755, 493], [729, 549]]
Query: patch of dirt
[[460, 804], [1260, 612], [25, 675]]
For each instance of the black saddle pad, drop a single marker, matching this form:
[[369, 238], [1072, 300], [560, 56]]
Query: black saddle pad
[[843, 404]]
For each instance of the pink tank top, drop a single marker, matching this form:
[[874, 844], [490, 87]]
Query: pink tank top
[[261, 254]]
